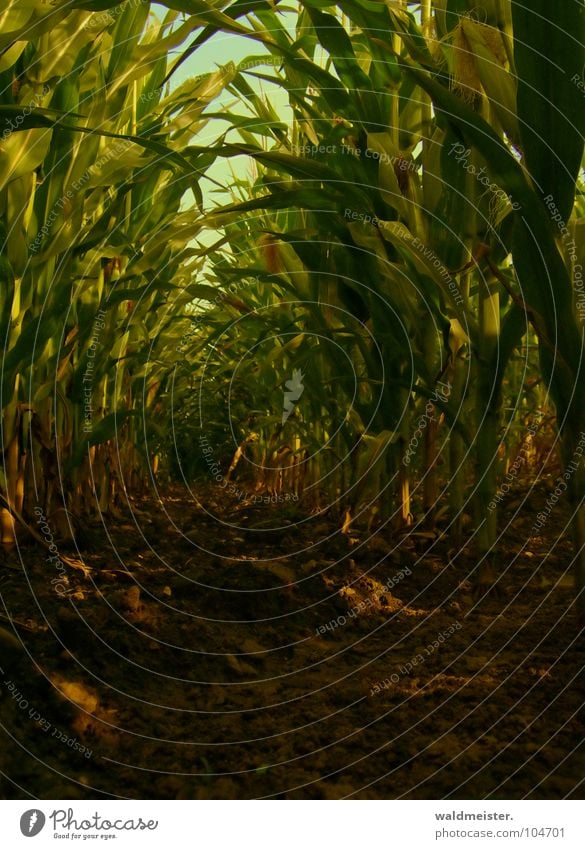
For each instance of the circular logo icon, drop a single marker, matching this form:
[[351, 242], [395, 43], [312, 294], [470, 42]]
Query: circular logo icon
[[32, 822]]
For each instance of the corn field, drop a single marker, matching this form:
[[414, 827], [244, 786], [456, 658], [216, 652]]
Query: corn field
[[340, 277]]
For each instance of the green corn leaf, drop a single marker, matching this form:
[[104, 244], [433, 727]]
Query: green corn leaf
[[337, 42], [539, 265], [449, 223], [549, 52], [51, 119]]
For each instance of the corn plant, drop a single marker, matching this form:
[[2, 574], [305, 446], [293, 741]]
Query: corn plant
[[424, 96], [97, 260], [380, 280], [352, 249], [551, 142]]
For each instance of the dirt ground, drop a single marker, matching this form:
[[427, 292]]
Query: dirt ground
[[199, 649]]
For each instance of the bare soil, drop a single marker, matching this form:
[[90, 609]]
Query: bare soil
[[201, 649]]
